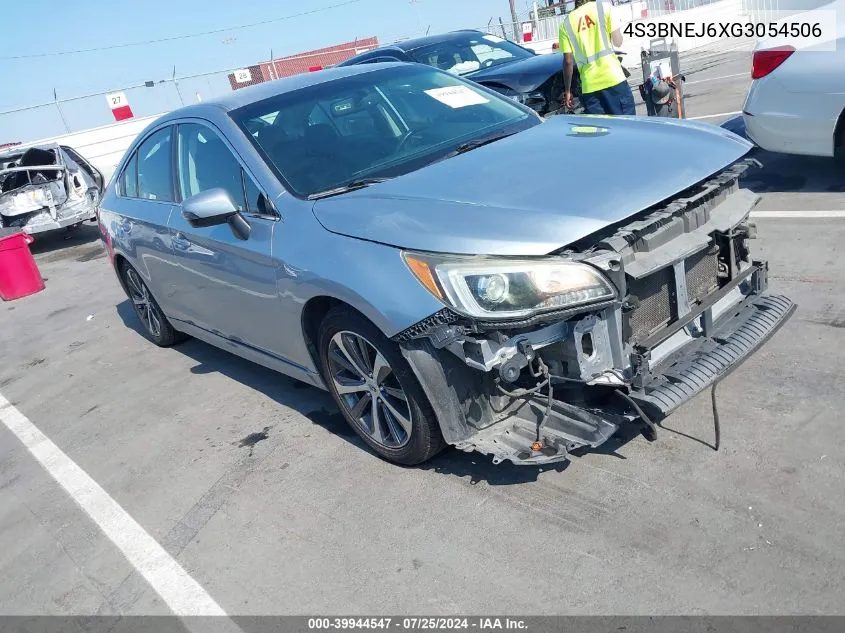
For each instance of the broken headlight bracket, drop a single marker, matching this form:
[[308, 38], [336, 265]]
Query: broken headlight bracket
[[486, 355]]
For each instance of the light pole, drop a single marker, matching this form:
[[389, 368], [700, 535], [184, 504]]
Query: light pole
[[176, 83], [514, 20]]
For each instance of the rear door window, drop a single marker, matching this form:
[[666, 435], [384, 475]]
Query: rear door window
[[155, 173]]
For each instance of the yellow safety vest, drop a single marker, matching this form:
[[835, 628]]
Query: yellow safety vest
[[585, 32]]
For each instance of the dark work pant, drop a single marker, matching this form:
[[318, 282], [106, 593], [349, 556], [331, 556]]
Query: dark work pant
[[617, 99]]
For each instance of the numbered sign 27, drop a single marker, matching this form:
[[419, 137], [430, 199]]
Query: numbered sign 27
[[119, 106]]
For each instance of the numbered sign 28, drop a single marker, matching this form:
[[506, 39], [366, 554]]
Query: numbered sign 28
[[243, 76], [119, 106]]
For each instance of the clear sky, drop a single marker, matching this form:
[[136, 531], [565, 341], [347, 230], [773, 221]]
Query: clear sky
[[31, 29]]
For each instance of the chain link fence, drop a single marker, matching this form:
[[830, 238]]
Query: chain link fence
[[64, 114]]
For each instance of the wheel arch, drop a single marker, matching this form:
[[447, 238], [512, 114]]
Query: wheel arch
[[313, 313], [119, 261]]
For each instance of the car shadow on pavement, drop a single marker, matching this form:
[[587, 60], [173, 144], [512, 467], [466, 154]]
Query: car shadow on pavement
[[313, 403], [784, 173], [65, 238], [317, 405], [480, 468]]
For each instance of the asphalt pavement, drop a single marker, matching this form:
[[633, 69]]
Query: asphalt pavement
[[189, 465]]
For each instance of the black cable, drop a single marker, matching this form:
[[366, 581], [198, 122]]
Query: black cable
[[646, 420], [565, 379], [545, 371], [716, 426], [520, 393]]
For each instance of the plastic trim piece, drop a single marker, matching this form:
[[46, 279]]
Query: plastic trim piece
[[421, 328]]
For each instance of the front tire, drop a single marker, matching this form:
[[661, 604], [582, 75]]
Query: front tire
[[156, 326], [376, 390]]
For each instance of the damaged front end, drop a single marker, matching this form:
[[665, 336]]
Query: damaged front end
[[46, 188], [661, 307]]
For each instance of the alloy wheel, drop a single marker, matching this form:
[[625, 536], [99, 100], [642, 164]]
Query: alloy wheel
[[369, 390], [142, 300]]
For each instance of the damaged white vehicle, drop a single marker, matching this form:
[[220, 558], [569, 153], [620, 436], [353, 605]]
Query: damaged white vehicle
[[47, 187]]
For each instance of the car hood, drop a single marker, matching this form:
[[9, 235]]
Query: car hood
[[536, 191], [523, 75]]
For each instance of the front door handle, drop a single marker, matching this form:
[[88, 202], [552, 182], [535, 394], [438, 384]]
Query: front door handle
[[180, 242]]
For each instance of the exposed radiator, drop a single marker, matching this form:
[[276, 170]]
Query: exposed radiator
[[655, 297], [702, 275], [655, 305]]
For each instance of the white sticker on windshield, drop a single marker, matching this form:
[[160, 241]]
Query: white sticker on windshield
[[457, 96], [493, 38]]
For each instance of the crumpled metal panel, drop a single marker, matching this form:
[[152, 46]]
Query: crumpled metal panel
[[33, 198], [46, 204]]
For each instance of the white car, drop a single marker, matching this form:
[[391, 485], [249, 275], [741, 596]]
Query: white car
[[796, 103]]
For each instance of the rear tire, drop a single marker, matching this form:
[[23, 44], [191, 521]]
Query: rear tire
[[381, 398], [155, 325]]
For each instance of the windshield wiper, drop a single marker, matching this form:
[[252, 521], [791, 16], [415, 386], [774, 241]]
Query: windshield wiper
[[352, 185], [474, 144], [471, 145]]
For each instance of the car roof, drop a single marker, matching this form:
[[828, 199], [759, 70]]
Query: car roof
[[245, 96], [419, 42], [18, 150]]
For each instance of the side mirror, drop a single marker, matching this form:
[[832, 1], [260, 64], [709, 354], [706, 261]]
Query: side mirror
[[213, 207], [209, 208]]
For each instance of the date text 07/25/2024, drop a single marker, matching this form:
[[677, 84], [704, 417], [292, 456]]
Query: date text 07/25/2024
[[416, 623]]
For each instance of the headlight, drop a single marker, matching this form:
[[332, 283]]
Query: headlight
[[509, 288]]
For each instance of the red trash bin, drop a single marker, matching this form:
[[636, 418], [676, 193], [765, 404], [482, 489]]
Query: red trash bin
[[19, 274]]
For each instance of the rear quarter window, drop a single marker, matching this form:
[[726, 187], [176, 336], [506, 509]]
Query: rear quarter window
[[155, 167], [127, 186]]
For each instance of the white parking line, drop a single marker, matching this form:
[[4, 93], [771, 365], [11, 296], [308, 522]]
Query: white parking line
[[798, 214], [182, 594], [701, 81], [713, 116]]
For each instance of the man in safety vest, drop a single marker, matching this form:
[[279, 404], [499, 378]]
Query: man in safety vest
[[585, 37]]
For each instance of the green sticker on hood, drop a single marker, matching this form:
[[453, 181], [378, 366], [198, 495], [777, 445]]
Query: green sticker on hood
[[588, 130]]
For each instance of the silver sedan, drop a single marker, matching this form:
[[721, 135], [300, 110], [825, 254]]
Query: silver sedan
[[384, 232]]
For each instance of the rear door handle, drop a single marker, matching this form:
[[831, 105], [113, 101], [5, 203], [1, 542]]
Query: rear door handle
[[180, 242]]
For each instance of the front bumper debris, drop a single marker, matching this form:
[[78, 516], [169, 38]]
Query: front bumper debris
[[709, 359], [692, 306], [700, 363], [567, 428]]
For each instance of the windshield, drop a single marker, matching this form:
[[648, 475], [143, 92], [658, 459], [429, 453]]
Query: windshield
[[468, 53], [381, 123]]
